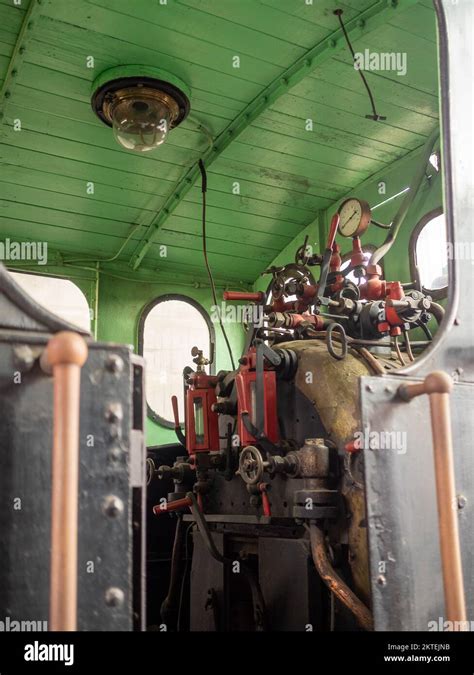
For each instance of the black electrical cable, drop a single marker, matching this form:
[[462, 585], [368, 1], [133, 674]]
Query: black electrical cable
[[425, 329], [202, 168], [375, 116]]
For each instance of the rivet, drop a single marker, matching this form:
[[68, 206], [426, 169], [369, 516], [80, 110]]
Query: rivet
[[22, 50], [30, 25], [381, 580], [307, 63], [369, 387], [462, 501], [114, 364], [14, 72], [7, 94], [332, 43], [114, 597], [114, 413], [115, 453], [284, 80], [113, 506]]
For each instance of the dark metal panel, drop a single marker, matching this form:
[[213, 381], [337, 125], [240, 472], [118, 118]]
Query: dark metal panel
[[406, 581], [285, 573], [207, 586], [105, 567]]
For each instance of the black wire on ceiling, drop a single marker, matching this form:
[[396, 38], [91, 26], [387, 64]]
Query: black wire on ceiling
[[202, 168], [374, 116]]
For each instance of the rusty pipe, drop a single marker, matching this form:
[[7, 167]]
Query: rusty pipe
[[64, 356], [438, 385], [333, 581]]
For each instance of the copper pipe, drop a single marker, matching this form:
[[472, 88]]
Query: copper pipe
[[172, 506], [65, 354], [333, 581], [438, 385], [371, 360]]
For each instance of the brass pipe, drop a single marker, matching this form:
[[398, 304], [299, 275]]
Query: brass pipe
[[65, 354], [333, 581], [438, 385]]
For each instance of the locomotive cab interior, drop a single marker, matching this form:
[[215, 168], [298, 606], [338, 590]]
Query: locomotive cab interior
[[236, 339]]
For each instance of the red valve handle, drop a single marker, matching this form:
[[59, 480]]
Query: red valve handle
[[241, 295]]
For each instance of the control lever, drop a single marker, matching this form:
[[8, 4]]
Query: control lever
[[438, 385], [177, 427], [323, 277]]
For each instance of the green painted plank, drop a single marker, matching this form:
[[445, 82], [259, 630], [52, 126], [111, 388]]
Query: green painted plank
[[320, 12], [328, 92], [109, 159], [334, 176], [306, 146], [384, 88], [51, 217], [246, 204], [76, 44], [422, 58], [210, 28], [276, 176], [269, 239], [46, 162], [105, 23], [344, 120], [242, 250], [326, 135], [89, 205], [179, 149], [418, 20], [264, 19], [236, 219]]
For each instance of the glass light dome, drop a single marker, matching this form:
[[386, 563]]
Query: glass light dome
[[142, 118]]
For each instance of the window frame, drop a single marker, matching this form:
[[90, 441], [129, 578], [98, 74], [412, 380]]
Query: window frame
[[438, 293], [152, 414]]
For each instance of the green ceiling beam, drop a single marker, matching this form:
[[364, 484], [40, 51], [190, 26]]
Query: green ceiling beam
[[376, 15], [18, 54]]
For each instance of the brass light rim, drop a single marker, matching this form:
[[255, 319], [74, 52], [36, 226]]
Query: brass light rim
[[113, 99]]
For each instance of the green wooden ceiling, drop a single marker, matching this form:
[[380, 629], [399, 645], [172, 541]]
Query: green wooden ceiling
[[285, 173]]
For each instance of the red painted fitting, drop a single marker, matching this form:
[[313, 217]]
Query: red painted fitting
[[352, 446], [265, 501], [242, 295]]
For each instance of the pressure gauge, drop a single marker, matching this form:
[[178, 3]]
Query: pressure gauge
[[354, 217]]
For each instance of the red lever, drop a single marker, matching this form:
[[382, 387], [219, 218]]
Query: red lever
[[174, 403], [241, 295], [239, 383], [172, 506], [265, 501]]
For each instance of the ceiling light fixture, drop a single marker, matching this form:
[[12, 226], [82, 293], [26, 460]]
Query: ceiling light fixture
[[141, 103]]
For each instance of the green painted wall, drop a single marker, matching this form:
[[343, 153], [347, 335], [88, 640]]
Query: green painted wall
[[121, 304]]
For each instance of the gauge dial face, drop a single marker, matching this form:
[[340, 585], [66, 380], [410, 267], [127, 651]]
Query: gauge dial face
[[354, 217]]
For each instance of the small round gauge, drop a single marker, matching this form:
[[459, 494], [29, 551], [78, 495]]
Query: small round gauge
[[354, 217]]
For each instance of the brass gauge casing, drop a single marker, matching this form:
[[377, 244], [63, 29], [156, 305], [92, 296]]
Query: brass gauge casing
[[354, 217]]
